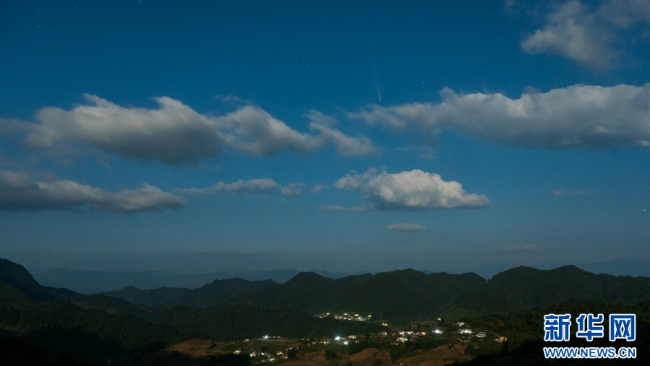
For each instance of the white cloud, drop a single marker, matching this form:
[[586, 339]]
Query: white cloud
[[345, 145], [13, 126], [406, 227], [264, 185], [356, 209], [585, 35], [18, 191], [410, 190], [293, 189], [572, 31], [176, 134], [579, 116], [624, 14], [319, 188]]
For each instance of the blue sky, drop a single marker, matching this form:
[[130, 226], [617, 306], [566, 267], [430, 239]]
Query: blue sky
[[331, 135]]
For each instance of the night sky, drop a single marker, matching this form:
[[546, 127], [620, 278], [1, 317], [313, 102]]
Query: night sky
[[344, 136]]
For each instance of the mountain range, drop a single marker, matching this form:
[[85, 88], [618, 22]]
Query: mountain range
[[405, 295], [133, 319], [89, 282]]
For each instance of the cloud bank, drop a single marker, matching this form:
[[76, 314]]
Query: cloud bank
[[319, 188], [293, 189], [579, 116], [410, 190], [176, 134], [406, 227], [264, 185], [18, 191]]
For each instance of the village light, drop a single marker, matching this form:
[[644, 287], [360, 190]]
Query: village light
[[266, 337], [337, 338]]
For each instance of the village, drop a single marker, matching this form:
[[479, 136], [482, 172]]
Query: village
[[425, 343], [276, 349]]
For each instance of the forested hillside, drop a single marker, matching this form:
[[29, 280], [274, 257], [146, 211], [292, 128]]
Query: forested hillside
[[64, 327], [151, 298], [217, 293], [525, 288], [240, 321]]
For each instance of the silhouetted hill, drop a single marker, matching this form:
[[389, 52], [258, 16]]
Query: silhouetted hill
[[16, 283], [300, 293], [84, 333], [113, 305], [524, 288], [388, 295], [15, 352], [150, 298], [218, 292], [240, 321]]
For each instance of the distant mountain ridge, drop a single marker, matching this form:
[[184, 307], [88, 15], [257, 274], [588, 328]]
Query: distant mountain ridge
[[90, 282], [388, 295], [397, 295], [617, 267], [524, 288], [94, 327], [219, 292], [410, 294]]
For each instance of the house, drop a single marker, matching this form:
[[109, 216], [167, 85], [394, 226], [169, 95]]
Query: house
[[501, 339], [480, 334], [237, 352]]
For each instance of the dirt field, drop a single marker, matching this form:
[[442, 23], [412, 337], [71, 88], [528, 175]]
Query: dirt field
[[188, 352], [436, 357]]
